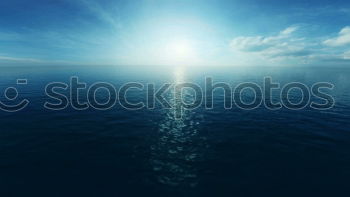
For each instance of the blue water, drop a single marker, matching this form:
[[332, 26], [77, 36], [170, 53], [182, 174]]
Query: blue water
[[146, 152]]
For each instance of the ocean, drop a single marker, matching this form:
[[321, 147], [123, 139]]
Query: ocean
[[149, 152]]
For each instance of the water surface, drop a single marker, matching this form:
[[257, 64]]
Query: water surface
[[220, 152]]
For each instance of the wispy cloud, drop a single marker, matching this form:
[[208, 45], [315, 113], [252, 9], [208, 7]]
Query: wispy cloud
[[289, 31], [342, 39], [16, 59], [102, 14], [5, 59], [286, 46], [283, 44], [260, 43], [347, 55], [9, 36]]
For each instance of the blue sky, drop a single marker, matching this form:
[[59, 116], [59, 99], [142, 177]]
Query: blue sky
[[155, 32]]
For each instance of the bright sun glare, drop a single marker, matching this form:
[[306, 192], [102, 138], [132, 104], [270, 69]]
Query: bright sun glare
[[180, 51]]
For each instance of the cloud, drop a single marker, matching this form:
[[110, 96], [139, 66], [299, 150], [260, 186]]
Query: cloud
[[347, 55], [286, 47], [327, 59], [342, 39], [281, 45], [260, 43], [5, 58], [289, 30], [250, 44], [286, 51], [6, 36], [101, 13]]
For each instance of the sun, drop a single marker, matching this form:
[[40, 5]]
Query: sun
[[180, 51]]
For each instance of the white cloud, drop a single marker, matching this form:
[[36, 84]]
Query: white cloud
[[286, 47], [5, 59], [289, 30], [286, 50], [251, 44], [19, 59], [347, 55], [260, 43], [342, 39], [281, 45], [101, 13], [327, 59]]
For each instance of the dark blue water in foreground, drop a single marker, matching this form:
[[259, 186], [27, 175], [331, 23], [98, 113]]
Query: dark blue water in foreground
[[215, 152]]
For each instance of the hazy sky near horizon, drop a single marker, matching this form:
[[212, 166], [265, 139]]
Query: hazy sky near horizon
[[157, 32]]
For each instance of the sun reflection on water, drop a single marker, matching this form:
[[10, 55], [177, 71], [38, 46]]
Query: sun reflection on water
[[177, 146]]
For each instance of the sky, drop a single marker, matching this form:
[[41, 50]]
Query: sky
[[166, 32]]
